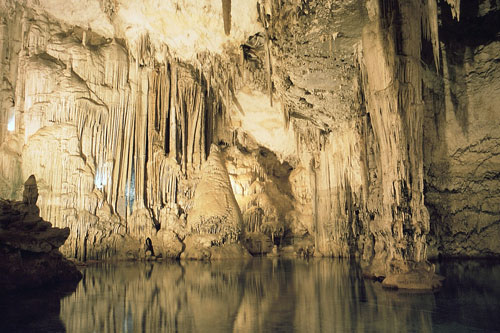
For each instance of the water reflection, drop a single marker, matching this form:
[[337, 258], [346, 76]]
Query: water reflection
[[268, 295], [33, 310], [260, 295], [470, 300]]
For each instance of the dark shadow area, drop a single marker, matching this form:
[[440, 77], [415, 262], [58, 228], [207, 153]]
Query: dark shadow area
[[472, 29], [34, 310], [471, 297], [449, 196], [460, 38]]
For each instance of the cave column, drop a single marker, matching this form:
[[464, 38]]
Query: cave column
[[391, 43]]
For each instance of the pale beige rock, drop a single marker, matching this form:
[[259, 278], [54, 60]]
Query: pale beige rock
[[215, 210], [206, 247], [10, 168], [114, 106], [84, 99], [262, 190], [418, 276], [167, 244]]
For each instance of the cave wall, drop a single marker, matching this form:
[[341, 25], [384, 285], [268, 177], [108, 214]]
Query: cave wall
[[365, 162], [362, 126], [416, 109], [112, 135], [461, 142]]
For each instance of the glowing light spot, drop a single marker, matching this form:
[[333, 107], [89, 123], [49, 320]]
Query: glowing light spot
[[100, 179], [233, 185], [130, 191], [11, 125]]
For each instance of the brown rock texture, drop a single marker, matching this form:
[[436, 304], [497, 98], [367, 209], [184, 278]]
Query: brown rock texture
[[29, 255], [461, 132]]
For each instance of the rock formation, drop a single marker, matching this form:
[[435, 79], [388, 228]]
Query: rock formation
[[29, 255], [461, 156], [363, 128], [215, 218]]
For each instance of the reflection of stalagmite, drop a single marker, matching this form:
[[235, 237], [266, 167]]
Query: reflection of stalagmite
[[255, 296]]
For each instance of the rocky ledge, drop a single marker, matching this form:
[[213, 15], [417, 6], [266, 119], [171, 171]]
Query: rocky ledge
[[409, 275], [29, 246]]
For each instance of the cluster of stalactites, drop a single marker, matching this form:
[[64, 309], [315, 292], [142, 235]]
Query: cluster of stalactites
[[430, 23], [226, 13], [141, 124], [430, 28], [187, 109], [455, 8]]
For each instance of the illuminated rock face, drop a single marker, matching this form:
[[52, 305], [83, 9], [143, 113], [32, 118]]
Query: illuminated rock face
[[329, 116]]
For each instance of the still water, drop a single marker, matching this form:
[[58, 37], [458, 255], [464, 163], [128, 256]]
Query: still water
[[259, 295]]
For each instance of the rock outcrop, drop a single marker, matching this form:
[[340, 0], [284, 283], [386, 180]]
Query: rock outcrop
[[214, 222], [29, 255], [365, 127]]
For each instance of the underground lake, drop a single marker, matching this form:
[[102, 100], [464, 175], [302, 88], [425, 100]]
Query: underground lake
[[257, 295]]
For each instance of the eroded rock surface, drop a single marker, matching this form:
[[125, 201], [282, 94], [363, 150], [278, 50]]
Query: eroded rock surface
[[339, 125], [462, 142], [29, 246]]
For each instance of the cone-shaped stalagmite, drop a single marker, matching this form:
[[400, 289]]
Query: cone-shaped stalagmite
[[215, 210]]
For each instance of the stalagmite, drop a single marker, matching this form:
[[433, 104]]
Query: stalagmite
[[364, 128], [215, 207], [268, 53]]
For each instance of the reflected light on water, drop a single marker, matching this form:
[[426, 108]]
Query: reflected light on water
[[267, 295]]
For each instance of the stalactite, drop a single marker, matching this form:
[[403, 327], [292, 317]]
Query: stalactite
[[261, 11], [253, 219], [226, 13], [137, 122], [338, 187], [141, 139], [430, 29], [173, 112], [455, 8], [392, 81]]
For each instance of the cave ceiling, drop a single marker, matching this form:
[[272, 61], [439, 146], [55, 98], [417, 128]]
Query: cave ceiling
[[313, 55]]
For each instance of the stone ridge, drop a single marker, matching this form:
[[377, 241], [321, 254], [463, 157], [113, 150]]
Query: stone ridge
[[29, 255]]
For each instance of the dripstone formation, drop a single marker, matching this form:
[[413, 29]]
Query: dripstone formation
[[359, 128]]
